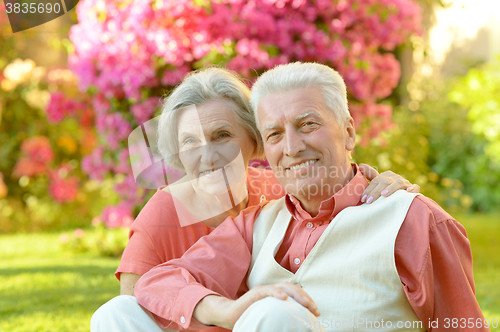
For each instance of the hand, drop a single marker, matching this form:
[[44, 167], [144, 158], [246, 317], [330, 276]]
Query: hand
[[384, 184], [221, 311]]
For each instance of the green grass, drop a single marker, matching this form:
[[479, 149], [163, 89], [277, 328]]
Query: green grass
[[45, 289], [483, 231]]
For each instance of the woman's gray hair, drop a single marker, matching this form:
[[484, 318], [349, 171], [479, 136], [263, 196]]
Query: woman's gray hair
[[198, 88], [303, 75]]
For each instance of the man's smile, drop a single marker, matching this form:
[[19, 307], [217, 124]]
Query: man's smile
[[301, 164]]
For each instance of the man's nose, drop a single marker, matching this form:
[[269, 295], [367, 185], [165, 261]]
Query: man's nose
[[209, 153], [293, 143]]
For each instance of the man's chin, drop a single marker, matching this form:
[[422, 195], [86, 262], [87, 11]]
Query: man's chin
[[310, 188]]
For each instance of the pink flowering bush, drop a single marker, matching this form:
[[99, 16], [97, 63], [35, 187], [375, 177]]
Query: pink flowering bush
[[117, 216], [37, 155], [63, 187], [61, 107], [124, 51], [46, 127], [127, 55]]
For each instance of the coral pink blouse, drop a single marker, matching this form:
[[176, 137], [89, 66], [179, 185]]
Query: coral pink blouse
[[157, 237]]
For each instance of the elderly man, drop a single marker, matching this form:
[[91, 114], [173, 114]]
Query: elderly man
[[316, 260]]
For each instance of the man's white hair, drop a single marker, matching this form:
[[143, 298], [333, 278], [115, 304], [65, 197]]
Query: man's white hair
[[298, 75], [198, 88]]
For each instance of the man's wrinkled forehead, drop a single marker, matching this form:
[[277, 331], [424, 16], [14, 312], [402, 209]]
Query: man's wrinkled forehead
[[296, 119], [291, 105]]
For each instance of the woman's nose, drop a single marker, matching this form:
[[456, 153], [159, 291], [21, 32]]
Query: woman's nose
[[209, 154]]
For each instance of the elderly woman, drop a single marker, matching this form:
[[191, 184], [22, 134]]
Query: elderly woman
[[207, 130]]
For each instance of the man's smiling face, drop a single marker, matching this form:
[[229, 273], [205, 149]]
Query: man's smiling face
[[305, 145]]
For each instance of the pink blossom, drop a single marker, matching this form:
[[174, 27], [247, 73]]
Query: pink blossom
[[123, 163], [37, 154], [55, 110], [38, 149], [172, 77], [100, 104], [128, 190], [117, 216], [27, 167], [63, 188], [97, 165], [143, 112], [60, 107], [114, 128]]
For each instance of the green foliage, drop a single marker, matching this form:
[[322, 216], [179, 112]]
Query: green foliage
[[464, 133], [447, 141], [404, 149], [479, 92]]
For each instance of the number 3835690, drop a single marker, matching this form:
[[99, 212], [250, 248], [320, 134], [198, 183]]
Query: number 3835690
[[32, 8]]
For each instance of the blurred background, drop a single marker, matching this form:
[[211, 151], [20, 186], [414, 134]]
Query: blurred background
[[423, 78]]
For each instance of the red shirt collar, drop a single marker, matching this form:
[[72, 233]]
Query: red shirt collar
[[350, 195]]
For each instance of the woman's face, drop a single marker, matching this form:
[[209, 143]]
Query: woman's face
[[213, 147]]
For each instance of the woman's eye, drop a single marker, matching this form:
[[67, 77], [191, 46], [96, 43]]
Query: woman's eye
[[188, 141], [224, 135]]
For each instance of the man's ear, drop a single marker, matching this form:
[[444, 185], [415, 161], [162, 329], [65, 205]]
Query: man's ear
[[350, 134]]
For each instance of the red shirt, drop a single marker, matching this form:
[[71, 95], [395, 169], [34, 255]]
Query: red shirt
[[432, 253]]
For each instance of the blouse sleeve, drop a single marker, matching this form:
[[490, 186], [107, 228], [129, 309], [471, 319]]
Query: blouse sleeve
[[140, 255], [157, 236]]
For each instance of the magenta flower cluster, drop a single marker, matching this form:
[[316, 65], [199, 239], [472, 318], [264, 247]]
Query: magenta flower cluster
[[124, 48], [60, 107]]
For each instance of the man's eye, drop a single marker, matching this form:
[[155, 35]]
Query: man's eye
[[272, 136], [309, 125]]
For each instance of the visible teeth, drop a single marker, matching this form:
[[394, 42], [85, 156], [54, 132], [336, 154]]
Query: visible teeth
[[309, 162], [210, 171]]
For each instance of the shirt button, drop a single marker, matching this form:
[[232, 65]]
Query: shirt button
[[183, 320], [296, 261], [262, 198], [309, 225]]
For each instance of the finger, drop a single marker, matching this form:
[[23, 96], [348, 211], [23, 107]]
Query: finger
[[370, 193], [414, 188], [299, 295], [368, 172], [376, 192], [237, 307], [390, 189], [260, 292]]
